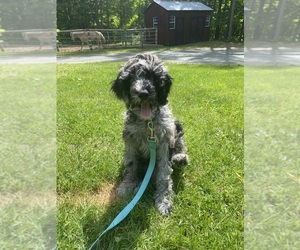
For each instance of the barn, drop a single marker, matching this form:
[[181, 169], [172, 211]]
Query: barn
[[179, 22]]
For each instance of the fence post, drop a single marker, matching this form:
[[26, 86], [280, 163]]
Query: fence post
[[142, 35]]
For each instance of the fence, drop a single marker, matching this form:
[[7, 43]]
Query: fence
[[46, 40], [114, 38], [27, 40]]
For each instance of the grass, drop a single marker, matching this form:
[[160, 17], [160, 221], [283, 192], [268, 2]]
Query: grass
[[272, 162], [27, 186], [208, 200]]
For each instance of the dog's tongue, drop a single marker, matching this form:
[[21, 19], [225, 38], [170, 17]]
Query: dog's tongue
[[146, 112]]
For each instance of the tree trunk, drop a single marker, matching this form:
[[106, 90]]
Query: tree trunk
[[297, 31], [259, 21], [279, 20], [97, 13], [218, 27], [232, 4]]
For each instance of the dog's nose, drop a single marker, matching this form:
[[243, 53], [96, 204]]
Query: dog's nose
[[143, 94]]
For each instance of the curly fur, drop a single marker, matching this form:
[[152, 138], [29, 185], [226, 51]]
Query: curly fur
[[144, 84]]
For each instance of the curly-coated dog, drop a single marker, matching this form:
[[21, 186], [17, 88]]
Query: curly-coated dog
[[144, 84]]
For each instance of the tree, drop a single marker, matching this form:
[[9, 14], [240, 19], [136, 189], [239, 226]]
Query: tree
[[230, 20], [28, 14], [124, 14], [274, 20]]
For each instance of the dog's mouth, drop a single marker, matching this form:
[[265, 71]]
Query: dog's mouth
[[145, 110]]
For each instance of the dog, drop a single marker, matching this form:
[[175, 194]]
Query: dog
[[143, 83]]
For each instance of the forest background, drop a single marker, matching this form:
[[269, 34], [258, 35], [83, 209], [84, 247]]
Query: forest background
[[283, 17]]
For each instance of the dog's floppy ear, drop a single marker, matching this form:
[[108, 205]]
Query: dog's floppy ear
[[116, 87], [121, 86], [164, 88]]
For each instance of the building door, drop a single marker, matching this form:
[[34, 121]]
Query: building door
[[197, 29], [179, 31]]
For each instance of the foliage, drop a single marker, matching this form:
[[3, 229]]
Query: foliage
[[27, 14], [208, 198], [220, 19], [267, 20], [264, 20], [75, 14]]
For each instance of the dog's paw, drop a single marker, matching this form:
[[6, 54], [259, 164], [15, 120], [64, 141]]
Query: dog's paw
[[126, 188], [179, 160], [164, 207]]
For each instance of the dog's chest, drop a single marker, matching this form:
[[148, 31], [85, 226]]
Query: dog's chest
[[136, 136]]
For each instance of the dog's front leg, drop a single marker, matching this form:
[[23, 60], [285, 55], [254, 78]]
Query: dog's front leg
[[163, 194], [130, 181]]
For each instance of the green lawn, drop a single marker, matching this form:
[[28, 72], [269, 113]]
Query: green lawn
[[27, 156], [272, 125], [208, 200]]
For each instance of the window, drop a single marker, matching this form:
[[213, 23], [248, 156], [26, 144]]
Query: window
[[172, 22], [207, 21], [155, 22]]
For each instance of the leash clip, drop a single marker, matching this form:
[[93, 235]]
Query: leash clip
[[151, 129]]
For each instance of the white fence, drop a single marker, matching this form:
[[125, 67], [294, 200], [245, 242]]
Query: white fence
[[49, 40]]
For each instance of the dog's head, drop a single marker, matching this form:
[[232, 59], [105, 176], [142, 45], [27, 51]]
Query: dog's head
[[143, 84]]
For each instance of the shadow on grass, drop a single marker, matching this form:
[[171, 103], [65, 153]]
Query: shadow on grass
[[178, 184], [126, 234]]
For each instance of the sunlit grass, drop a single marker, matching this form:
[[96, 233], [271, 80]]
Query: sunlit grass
[[208, 200], [28, 171], [272, 161]]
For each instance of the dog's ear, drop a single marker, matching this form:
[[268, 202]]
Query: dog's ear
[[164, 88], [121, 86], [116, 87]]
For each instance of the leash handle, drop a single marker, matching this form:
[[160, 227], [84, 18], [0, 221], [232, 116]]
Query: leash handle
[[122, 215]]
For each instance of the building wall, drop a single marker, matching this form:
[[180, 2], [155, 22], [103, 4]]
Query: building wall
[[189, 26], [155, 10]]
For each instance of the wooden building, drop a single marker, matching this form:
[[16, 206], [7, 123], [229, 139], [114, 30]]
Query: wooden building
[[179, 22]]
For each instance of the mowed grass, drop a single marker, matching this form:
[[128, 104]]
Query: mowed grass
[[208, 201], [27, 156], [272, 119]]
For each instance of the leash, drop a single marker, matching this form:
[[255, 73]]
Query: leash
[[122, 215]]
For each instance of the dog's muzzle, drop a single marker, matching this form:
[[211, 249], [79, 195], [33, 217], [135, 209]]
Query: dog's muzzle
[[143, 94]]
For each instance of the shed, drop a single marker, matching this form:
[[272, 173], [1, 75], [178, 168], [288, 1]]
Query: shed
[[179, 22]]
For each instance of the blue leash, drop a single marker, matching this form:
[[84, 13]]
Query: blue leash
[[122, 215]]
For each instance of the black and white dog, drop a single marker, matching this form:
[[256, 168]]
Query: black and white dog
[[144, 84]]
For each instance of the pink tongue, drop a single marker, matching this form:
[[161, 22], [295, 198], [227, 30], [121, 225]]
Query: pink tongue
[[146, 112]]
